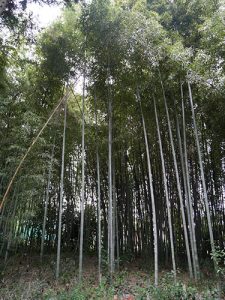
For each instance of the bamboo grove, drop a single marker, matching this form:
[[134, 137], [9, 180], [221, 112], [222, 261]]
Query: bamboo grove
[[132, 166]]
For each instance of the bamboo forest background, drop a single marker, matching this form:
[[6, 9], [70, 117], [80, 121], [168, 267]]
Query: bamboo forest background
[[131, 166]]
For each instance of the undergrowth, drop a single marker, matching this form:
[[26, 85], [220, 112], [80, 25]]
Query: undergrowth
[[30, 280]]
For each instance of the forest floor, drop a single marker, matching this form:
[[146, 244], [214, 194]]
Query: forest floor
[[25, 278]]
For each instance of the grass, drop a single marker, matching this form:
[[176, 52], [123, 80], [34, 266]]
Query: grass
[[25, 278]]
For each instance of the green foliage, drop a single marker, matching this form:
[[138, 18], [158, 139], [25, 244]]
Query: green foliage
[[167, 289], [175, 291], [219, 257], [83, 292]]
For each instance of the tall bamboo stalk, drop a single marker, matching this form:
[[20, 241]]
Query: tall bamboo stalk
[[111, 240], [178, 184], [15, 195], [64, 98], [166, 193], [202, 174], [46, 202], [61, 195], [111, 245], [98, 195], [155, 236], [188, 189], [82, 181]]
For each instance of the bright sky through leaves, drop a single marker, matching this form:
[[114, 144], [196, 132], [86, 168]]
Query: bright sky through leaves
[[44, 14]]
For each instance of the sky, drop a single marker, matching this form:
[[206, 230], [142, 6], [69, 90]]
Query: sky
[[44, 14]]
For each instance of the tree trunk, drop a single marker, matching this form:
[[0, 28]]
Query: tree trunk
[[82, 187], [98, 197], [11, 226], [46, 202], [202, 174], [61, 195], [111, 239], [184, 161], [178, 185], [155, 237], [166, 193]]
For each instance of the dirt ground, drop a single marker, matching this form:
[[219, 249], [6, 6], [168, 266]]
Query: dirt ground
[[24, 278]]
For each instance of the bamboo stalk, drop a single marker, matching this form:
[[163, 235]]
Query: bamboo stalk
[[65, 97]]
